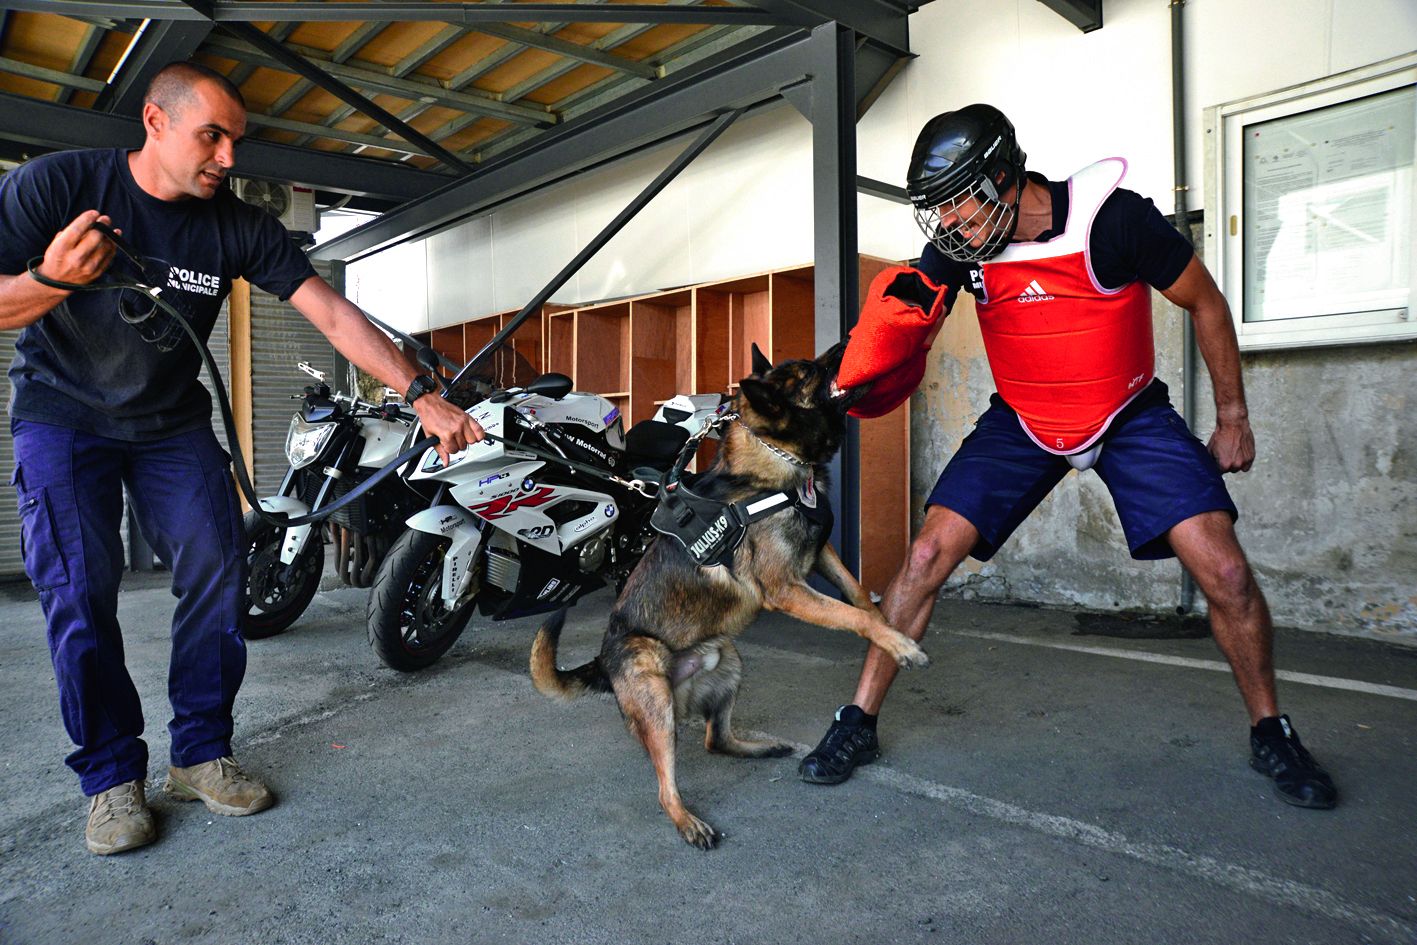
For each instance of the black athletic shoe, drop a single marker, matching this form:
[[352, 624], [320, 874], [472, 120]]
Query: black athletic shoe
[[1298, 779], [848, 743]]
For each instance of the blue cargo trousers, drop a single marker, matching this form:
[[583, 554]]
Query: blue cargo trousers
[[70, 490]]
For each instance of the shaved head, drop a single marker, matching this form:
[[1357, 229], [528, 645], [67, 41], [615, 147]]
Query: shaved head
[[171, 89], [193, 118]]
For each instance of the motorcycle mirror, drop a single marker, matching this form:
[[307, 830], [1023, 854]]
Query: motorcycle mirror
[[428, 359], [308, 368], [553, 385]]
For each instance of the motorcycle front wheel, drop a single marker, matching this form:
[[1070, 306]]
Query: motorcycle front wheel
[[276, 596], [410, 627]]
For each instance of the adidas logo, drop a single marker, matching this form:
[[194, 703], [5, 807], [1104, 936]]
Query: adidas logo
[[1034, 293]]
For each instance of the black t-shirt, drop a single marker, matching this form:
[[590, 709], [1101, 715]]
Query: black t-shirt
[[80, 365], [1130, 240]]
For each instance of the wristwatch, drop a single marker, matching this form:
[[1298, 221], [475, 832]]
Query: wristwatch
[[422, 384]]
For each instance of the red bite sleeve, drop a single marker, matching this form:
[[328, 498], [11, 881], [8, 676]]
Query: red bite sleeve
[[888, 345]]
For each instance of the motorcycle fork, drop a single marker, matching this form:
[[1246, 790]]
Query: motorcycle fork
[[346, 456]]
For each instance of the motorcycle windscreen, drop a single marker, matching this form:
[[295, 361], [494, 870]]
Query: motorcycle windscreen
[[499, 369]]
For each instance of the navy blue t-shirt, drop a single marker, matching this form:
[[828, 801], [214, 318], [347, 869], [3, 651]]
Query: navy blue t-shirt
[[1130, 240], [80, 365]]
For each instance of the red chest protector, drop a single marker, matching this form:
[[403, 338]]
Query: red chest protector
[[1067, 355]]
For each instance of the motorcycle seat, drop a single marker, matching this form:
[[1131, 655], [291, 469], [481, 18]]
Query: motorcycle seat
[[654, 443]]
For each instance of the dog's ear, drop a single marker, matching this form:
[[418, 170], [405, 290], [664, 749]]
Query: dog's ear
[[763, 398], [761, 364]]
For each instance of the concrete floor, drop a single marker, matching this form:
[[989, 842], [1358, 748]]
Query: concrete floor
[[1028, 794]]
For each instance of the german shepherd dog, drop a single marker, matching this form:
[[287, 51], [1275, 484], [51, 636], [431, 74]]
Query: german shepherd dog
[[668, 652]]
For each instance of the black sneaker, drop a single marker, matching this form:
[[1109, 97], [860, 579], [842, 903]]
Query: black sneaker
[[1298, 779], [848, 743]]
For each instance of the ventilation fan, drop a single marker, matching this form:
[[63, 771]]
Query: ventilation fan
[[272, 198], [293, 206]]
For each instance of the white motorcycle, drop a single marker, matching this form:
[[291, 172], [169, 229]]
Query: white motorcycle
[[553, 505], [334, 443]]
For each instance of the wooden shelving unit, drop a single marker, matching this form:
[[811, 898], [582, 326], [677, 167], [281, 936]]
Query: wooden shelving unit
[[640, 351]]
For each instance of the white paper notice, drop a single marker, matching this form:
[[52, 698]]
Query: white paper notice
[[1328, 209]]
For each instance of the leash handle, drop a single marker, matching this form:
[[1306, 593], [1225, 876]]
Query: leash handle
[[721, 417]]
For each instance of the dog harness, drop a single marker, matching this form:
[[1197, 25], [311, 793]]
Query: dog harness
[[710, 530], [1067, 354]]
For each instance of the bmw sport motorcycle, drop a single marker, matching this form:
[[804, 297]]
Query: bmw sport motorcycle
[[553, 505], [334, 443]]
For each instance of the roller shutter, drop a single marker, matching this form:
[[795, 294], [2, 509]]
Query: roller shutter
[[280, 337]]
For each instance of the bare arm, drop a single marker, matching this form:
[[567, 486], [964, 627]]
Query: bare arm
[[1233, 443], [76, 254], [355, 337]]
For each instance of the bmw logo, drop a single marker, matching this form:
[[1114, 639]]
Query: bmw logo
[[610, 511], [528, 484]]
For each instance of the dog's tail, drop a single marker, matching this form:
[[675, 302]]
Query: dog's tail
[[565, 684]]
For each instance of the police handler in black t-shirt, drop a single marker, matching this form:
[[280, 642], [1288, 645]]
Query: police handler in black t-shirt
[[95, 407], [1062, 276]]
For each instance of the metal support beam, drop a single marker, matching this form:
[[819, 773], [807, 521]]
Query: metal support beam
[[607, 233], [83, 55], [32, 122], [160, 44], [882, 21], [740, 77], [1086, 15], [344, 93], [410, 88], [561, 47], [680, 55], [837, 268], [879, 188], [255, 120], [243, 11], [65, 80]]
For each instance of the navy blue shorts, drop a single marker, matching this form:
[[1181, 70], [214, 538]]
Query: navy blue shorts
[[1159, 475]]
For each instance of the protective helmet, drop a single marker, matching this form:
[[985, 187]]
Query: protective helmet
[[966, 159]]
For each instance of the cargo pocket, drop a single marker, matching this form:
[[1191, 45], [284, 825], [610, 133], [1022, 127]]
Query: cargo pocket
[[39, 545]]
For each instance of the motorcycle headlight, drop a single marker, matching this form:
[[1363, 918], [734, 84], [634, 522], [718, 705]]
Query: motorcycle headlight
[[304, 441]]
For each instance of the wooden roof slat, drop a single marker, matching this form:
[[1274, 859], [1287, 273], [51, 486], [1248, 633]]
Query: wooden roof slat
[[280, 33], [428, 50], [375, 81], [83, 55], [570, 50], [257, 120], [700, 44]]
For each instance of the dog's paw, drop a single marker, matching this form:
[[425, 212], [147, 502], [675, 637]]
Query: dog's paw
[[698, 834], [908, 654]]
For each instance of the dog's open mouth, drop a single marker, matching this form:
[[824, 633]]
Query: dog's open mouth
[[847, 397]]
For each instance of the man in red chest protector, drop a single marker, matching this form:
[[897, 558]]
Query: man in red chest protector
[[1061, 274]]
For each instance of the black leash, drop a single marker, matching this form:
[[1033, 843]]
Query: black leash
[[178, 322], [167, 335]]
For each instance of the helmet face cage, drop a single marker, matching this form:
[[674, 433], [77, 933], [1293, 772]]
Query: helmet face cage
[[963, 162], [988, 219]]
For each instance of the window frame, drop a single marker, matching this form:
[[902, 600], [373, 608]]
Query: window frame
[[1226, 231]]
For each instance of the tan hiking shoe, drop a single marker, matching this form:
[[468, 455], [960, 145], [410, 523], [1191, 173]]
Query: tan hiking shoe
[[119, 820], [221, 785]]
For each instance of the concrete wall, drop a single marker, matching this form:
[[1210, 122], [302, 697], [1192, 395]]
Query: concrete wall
[[1328, 515]]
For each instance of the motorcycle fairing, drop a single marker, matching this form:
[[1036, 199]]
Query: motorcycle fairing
[[466, 534], [544, 584]]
